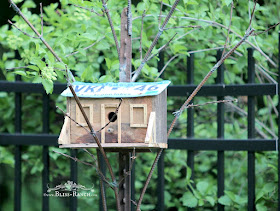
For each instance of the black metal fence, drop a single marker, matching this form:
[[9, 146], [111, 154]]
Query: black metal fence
[[251, 145]]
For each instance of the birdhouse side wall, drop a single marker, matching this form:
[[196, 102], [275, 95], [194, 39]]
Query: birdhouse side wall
[[160, 108]]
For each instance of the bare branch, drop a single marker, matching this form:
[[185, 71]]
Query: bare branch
[[91, 10], [208, 49], [42, 21], [190, 52], [137, 72], [258, 33], [75, 159], [14, 68], [10, 22], [225, 27], [93, 44], [148, 179], [65, 114], [207, 103], [160, 13], [162, 48], [230, 19], [102, 188], [112, 27], [181, 27], [172, 58], [252, 15], [241, 111], [142, 22], [218, 64]]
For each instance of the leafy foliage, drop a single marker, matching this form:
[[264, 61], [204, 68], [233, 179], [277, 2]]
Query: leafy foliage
[[70, 29]]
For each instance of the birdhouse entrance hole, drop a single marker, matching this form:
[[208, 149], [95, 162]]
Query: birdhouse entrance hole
[[112, 116]]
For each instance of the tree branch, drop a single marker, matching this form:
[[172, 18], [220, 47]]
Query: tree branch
[[91, 10], [162, 47], [137, 72], [231, 11], [93, 44], [142, 22], [112, 26]]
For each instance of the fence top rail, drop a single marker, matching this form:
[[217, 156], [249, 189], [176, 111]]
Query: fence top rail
[[252, 89]]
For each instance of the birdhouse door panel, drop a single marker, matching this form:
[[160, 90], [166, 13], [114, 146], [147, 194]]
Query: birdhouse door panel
[[111, 133]]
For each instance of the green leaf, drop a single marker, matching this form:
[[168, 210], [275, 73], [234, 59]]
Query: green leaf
[[87, 74], [228, 2], [189, 174], [20, 72], [202, 187], [33, 67], [189, 200], [108, 63], [37, 80], [59, 65], [211, 200], [48, 85], [225, 200]]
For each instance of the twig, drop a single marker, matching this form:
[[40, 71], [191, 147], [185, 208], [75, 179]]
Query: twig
[[75, 159], [142, 22], [208, 49], [172, 58], [137, 72], [112, 26], [160, 13], [148, 179], [218, 64], [186, 34], [241, 111], [225, 27], [113, 117], [14, 68], [42, 21], [162, 47], [102, 189], [93, 44], [258, 33], [252, 15], [91, 10], [207, 103], [190, 52], [231, 11], [10, 22], [65, 114], [98, 167], [181, 27]]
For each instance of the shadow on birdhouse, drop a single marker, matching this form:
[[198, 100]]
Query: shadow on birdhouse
[[140, 121]]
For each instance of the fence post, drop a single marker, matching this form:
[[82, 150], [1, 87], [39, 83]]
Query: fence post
[[278, 92], [74, 178], [220, 132], [251, 133], [190, 113], [45, 173], [17, 184]]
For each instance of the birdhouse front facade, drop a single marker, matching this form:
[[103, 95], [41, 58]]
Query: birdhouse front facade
[[138, 114]]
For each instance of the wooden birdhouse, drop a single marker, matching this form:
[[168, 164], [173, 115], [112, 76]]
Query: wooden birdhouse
[[140, 121]]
